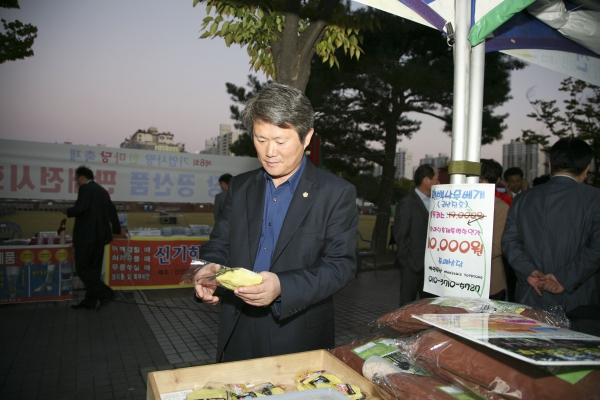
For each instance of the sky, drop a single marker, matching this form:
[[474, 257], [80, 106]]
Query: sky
[[104, 69]]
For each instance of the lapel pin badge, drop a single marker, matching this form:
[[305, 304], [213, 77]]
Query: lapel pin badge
[[305, 194]]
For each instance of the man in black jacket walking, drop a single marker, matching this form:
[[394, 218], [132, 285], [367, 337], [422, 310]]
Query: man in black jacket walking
[[96, 220]]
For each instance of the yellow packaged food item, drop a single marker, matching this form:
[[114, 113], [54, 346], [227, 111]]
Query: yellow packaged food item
[[233, 278], [245, 391], [209, 394], [321, 379]]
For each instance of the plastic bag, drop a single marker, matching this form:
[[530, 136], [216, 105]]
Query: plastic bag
[[495, 375], [402, 320], [206, 273]]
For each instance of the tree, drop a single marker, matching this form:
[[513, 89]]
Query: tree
[[407, 69], [282, 36], [581, 118], [243, 146], [18, 38]]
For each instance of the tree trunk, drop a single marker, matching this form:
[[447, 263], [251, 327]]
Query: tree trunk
[[293, 54], [386, 192]]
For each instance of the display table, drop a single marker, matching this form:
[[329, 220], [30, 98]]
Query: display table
[[156, 262], [36, 273]]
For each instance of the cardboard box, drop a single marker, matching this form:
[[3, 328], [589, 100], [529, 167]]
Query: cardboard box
[[279, 370]]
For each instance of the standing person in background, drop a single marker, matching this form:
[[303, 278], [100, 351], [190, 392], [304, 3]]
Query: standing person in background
[[410, 232], [552, 235], [96, 220], [294, 224], [489, 174], [514, 181], [220, 197]]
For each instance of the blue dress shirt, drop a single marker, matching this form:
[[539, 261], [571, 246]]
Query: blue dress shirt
[[277, 202]]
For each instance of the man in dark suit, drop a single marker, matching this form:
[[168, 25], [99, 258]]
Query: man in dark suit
[[220, 197], [410, 232], [552, 234], [95, 220], [292, 223]]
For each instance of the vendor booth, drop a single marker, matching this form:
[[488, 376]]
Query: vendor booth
[[36, 273], [150, 262]]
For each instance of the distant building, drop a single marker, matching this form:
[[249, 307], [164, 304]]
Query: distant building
[[440, 161], [529, 157], [152, 140], [403, 163], [220, 145]]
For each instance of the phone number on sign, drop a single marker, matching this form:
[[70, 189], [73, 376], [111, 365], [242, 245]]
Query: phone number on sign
[[452, 284]]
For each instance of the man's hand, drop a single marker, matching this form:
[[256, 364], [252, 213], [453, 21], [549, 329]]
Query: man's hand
[[261, 295], [551, 284], [535, 280], [205, 284]]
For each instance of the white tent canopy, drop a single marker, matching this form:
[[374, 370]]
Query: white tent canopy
[[561, 36]]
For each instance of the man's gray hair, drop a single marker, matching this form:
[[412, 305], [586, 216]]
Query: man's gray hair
[[282, 106]]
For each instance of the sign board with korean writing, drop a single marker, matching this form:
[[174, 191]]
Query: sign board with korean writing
[[150, 262], [45, 171], [459, 241], [36, 273]]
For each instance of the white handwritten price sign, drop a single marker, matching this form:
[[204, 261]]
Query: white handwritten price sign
[[459, 240]]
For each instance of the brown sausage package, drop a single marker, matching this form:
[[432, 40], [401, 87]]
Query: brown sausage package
[[477, 367], [402, 320]]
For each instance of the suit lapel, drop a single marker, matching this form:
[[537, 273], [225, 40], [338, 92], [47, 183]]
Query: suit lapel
[[422, 210], [305, 195], [255, 202]]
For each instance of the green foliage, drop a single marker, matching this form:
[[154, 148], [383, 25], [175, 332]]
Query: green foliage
[[17, 39], [580, 118], [281, 37]]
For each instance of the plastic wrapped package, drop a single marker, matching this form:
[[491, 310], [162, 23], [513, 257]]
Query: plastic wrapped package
[[402, 320], [483, 370], [400, 385], [350, 358], [210, 274], [395, 372]]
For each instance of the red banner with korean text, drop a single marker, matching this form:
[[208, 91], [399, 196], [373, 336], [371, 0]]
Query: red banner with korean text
[[36, 273], [150, 262]]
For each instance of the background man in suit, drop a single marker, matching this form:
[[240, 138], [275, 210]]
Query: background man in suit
[[552, 234], [291, 222], [514, 181], [491, 174], [220, 197], [410, 231], [95, 218]]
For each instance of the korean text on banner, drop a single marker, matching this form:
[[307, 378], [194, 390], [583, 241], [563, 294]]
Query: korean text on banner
[[459, 241]]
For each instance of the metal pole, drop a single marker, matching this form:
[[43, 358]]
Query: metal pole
[[476, 80], [462, 48]]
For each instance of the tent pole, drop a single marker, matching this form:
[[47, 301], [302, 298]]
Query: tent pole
[[476, 80], [462, 49]]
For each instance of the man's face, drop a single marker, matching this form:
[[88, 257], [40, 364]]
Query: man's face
[[514, 183], [279, 150], [428, 183], [80, 180]]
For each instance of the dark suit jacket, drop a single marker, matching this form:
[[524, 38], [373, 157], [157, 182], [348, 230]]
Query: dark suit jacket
[[219, 199], [410, 232], [95, 215], [555, 228], [315, 255]]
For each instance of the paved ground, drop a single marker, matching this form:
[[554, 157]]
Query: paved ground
[[50, 351]]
